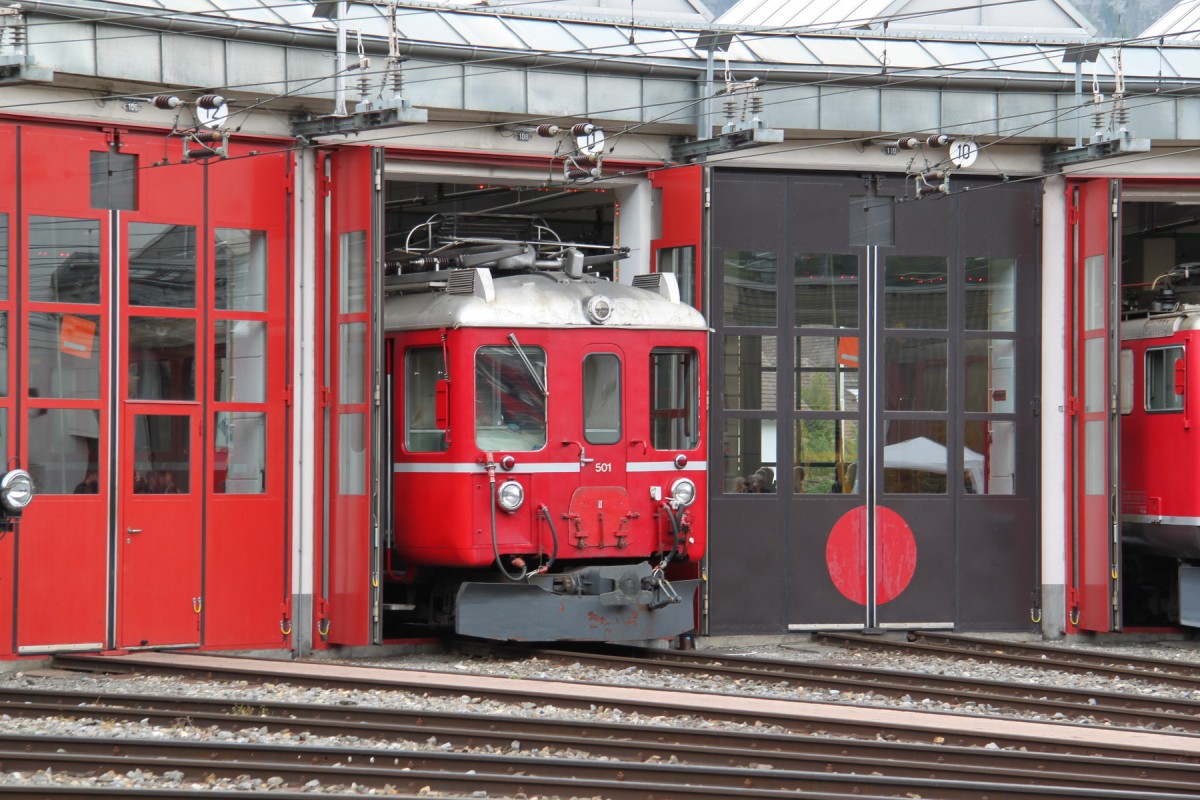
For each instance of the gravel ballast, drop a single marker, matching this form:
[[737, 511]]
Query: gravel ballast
[[83, 726]]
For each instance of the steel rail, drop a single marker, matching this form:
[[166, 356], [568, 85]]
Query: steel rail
[[422, 771], [1007, 653], [841, 718], [109, 793], [40, 791], [651, 743], [1112, 707], [1151, 668]]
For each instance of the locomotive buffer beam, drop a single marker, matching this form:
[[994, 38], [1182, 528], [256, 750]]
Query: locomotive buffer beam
[[611, 603]]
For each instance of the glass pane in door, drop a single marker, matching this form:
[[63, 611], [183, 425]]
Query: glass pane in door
[[162, 358], [161, 448], [162, 265], [917, 292], [241, 270], [826, 292], [64, 260]]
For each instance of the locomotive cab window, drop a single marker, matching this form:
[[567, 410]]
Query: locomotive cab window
[[1164, 379], [602, 398], [510, 403], [424, 367], [674, 399]]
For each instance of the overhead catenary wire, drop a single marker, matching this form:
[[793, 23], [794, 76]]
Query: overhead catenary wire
[[392, 136], [944, 71], [678, 107], [223, 20], [743, 33]]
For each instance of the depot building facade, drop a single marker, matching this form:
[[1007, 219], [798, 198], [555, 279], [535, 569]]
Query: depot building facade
[[910, 241]]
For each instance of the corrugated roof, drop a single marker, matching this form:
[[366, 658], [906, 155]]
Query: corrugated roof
[[685, 12], [972, 17], [1181, 23], [675, 10], [526, 29]]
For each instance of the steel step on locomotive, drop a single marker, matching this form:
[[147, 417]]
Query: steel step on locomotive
[[547, 439]]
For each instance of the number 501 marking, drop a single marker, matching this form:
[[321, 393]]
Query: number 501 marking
[[604, 466]]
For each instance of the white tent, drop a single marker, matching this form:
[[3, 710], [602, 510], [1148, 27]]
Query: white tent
[[927, 455]]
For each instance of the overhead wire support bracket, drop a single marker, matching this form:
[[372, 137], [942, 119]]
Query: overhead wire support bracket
[[725, 143], [16, 66], [743, 127], [1095, 151], [1108, 140], [359, 121], [386, 110]]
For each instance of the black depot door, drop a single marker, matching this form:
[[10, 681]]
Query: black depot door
[[874, 375]]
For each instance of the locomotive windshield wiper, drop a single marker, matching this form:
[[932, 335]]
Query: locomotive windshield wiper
[[538, 379]]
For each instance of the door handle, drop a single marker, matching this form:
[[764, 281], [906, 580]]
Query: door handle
[[133, 530]]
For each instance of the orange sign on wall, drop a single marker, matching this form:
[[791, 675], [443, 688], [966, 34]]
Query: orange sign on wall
[[77, 336], [847, 351]]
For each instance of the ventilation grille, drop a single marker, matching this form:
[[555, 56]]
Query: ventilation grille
[[461, 281], [648, 281], [470, 282], [662, 283]]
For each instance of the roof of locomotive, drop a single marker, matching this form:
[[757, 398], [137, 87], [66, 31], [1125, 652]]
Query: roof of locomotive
[[536, 299], [1162, 324]]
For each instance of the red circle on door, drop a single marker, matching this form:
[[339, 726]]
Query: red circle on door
[[895, 549]]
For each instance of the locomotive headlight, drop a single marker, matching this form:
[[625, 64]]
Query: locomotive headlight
[[683, 492], [510, 496], [599, 309], [16, 489]]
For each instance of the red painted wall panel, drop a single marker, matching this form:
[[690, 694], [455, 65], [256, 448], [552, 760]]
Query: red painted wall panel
[[65, 563], [8, 208], [62, 548]]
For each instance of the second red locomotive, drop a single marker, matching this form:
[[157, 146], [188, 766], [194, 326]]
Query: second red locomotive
[[1160, 486]]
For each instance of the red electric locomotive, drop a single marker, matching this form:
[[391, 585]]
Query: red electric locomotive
[[548, 445], [1160, 486]]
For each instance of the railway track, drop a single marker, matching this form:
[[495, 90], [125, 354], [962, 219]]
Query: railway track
[[610, 740], [1040, 656], [471, 772], [829, 750], [1086, 705], [627, 761]]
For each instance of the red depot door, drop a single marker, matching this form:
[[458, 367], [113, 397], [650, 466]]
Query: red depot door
[[159, 527], [678, 229], [350, 226], [1093, 316]]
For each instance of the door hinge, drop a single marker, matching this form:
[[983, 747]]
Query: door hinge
[[285, 618], [1072, 215], [323, 397], [287, 395], [113, 136], [1072, 407], [323, 621]]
